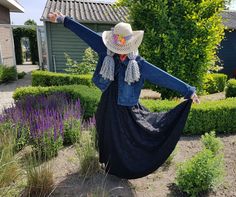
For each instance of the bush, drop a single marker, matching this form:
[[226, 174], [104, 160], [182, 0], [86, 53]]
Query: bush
[[7, 74], [72, 131], [205, 117], [21, 75], [203, 171], [214, 83], [45, 78], [87, 66], [212, 143], [231, 88], [200, 173], [181, 37], [89, 96]]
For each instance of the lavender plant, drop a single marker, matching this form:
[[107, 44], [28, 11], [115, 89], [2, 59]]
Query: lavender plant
[[45, 121]]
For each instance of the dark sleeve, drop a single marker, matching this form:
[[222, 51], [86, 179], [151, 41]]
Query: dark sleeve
[[159, 77], [87, 35]]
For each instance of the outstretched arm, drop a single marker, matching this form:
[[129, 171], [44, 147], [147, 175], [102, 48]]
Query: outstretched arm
[[159, 77], [93, 39]]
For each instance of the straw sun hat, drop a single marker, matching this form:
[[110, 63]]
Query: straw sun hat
[[122, 39]]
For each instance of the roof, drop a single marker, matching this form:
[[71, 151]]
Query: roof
[[12, 5], [229, 19], [86, 11]]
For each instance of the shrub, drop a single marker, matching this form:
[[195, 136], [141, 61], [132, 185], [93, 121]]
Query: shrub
[[87, 65], [205, 117], [21, 75], [7, 74], [176, 38], [46, 78], [212, 143], [203, 171], [89, 96], [72, 131], [45, 118], [214, 83], [231, 88], [200, 173]]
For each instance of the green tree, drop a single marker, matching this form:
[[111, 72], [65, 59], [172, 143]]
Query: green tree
[[87, 65], [30, 22], [181, 36]]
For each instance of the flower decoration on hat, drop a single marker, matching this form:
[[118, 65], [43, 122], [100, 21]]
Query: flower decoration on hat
[[120, 39]]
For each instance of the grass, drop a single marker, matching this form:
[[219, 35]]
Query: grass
[[10, 169], [86, 150], [39, 178]]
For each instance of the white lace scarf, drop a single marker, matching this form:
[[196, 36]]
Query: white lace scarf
[[132, 73]]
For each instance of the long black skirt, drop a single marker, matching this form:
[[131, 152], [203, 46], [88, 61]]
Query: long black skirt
[[132, 141]]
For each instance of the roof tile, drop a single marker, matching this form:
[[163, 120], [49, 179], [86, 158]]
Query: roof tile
[[86, 11]]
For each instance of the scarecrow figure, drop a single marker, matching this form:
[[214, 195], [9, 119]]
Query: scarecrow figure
[[133, 142]]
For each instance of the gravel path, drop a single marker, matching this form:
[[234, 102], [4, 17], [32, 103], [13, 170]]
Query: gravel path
[[6, 90]]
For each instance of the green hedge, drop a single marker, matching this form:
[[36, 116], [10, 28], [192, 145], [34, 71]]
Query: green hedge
[[46, 78], [214, 82], [231, 88], [207, 116], [89, 96]]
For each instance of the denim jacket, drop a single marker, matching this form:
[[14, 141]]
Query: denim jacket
[[128, 95]]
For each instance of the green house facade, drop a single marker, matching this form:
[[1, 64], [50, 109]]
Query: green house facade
[[59, 40]]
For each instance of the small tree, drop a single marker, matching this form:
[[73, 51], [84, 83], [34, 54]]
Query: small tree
[[87, 65], [181, 36], [30, 22]]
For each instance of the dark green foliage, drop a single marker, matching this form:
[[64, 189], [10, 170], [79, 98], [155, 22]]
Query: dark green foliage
[[7, 74], [205, 117], [30, 22], [45, 78], [214, 83], [89, 96], [21, 75], [30, 32], [205, 170], [87, 66], [231, 88], [47, 146], [181, 36], [72, 131]]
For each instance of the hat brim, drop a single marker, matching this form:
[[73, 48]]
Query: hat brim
[[131, 45]]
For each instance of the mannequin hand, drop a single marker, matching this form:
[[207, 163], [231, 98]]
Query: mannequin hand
[[52, 16], [195, 98]]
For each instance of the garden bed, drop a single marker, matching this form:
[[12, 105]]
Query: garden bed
[[159, 184]]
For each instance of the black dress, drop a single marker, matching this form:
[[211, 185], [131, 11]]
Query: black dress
[[132, 141]]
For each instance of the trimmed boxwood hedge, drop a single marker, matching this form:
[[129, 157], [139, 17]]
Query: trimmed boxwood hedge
[[207, 116], [230, 90], [214, 82], [46, 78], [89, 96]]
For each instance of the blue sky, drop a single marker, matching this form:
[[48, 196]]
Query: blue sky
[[34, 10]]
